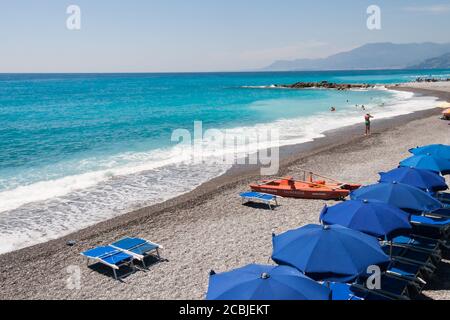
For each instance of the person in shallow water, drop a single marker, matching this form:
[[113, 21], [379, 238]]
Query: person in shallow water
[[332, 109], [367, 118]]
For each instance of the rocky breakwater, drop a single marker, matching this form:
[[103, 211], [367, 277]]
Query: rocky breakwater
[[325, 85]]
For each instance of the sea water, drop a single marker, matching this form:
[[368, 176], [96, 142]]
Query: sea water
[[76, 149]]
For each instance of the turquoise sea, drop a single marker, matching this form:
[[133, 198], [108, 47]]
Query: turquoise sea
[[76, 149]]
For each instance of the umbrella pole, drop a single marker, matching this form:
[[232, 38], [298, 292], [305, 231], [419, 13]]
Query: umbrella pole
[[390, 250]]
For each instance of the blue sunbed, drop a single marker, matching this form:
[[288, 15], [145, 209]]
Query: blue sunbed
[[432, 227], [444, 197], [435, 227], [392, 287], [110, 257], [357, 292], [138, 248], [268, 199], [410, 272], [398, 288], [415, 241], [342, 291], [432, 222], [439, 213], [426, 261]]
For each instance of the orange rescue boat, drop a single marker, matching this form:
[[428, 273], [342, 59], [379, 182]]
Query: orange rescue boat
[[308, 188]]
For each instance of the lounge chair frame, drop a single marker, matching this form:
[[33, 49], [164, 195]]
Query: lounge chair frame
[[141, 257], [114, 267], [270, 203], [405, 295]]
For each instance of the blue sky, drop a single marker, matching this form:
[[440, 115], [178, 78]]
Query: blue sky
[[201, 35]]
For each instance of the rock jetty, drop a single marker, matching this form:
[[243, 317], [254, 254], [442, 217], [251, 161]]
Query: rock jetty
[[325, 85]]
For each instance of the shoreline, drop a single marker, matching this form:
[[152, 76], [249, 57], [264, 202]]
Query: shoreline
[[134, 223], [422, 89]]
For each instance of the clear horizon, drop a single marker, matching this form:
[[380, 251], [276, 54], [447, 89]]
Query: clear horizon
[[201, 36], [206, 72]]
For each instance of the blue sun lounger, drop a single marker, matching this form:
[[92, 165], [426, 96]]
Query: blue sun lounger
[[392, 288], [430, 227], [110, 257], [439, 213], [409, 272], [443, 197], [343, 292], [426, 261], [355, 292], [414, 241], [138, 248], [268, 199]]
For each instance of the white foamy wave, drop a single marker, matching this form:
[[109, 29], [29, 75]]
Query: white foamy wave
[[272, 86], [113, 166], [55, 217]]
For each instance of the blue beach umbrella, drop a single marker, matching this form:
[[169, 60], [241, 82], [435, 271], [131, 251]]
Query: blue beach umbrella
[[260, 282], [419, 178], [399, 195], [374, 218], [329, 253], [437, 150], [427, 162]]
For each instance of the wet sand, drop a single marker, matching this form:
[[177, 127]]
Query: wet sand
[[209, 228]]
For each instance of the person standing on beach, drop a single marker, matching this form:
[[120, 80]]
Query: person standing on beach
[[367, 118]]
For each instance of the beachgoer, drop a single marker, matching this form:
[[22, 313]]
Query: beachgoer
[[363, 107], [367, 118], [333, 109]]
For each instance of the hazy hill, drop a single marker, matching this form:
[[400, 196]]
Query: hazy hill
[[441, 62], [369, 56]]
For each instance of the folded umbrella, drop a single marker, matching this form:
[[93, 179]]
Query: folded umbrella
[[329, 253], [260, 282]]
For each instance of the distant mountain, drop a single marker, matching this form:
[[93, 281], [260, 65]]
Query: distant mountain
[[441, 62], [369, 56]]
